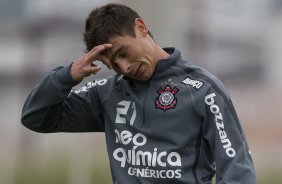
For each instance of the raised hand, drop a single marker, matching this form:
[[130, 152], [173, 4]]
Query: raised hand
[[84, 66]]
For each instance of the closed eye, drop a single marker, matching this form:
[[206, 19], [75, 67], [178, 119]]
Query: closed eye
[[123, 54], [114, 65]]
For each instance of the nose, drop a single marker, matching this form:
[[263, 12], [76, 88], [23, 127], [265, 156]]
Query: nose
[[124, 65]]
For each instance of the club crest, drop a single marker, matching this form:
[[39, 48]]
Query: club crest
[[166, 99]]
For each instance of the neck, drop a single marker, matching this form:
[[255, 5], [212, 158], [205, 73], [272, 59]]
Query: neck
[[161, 53]]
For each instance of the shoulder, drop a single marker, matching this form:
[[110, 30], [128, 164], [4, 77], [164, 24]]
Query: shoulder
[[198, 78], [200, 84]]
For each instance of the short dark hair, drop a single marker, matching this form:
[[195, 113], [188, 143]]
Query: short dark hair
[[107, 21]]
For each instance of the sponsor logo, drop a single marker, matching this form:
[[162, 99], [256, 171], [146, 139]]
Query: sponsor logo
[[150, 163], [90, 85], [194, 83], [166, 99], [215, 110]]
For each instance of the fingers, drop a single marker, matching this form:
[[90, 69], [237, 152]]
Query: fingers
[[94, 69], [105, 61], [84, 65], [95, 53]]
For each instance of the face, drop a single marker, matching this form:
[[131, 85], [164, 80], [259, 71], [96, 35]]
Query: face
[[134, 57]]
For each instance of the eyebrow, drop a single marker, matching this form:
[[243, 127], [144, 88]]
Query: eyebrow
[[122, 48]]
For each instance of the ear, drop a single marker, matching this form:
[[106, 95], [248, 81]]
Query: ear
[[140, 27]]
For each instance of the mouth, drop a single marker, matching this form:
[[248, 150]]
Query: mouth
[[138, 71]]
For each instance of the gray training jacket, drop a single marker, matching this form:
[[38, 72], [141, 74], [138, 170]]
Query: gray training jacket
[[180, 127]]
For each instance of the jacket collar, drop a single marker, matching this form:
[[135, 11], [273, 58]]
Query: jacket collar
[[161, 66], [166, 63]]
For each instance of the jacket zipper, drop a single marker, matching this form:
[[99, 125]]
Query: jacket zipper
[[145, 124]]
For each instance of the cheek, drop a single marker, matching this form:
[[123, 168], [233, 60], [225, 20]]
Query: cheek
[[151, 65], [149, 70]]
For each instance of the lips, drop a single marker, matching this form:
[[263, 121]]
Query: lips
[[138, 71]]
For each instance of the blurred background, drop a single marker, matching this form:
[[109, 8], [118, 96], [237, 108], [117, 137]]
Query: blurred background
[[239, 41]]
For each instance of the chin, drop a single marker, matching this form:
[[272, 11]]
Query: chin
[[144, 79]]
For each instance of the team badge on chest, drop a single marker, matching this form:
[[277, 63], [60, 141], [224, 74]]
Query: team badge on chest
[[166, 99]]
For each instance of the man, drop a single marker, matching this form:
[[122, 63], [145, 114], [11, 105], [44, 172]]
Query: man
[[166, 120]]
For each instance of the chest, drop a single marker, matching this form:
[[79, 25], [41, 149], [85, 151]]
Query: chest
[[161, 109]]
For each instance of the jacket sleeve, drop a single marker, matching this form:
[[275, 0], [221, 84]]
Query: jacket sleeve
[[227, 141], [52, 107]]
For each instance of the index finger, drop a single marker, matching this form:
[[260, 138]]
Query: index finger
[[105, 61], [96, 51]]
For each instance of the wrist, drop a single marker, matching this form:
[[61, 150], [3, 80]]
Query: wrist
[[63, 76]]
